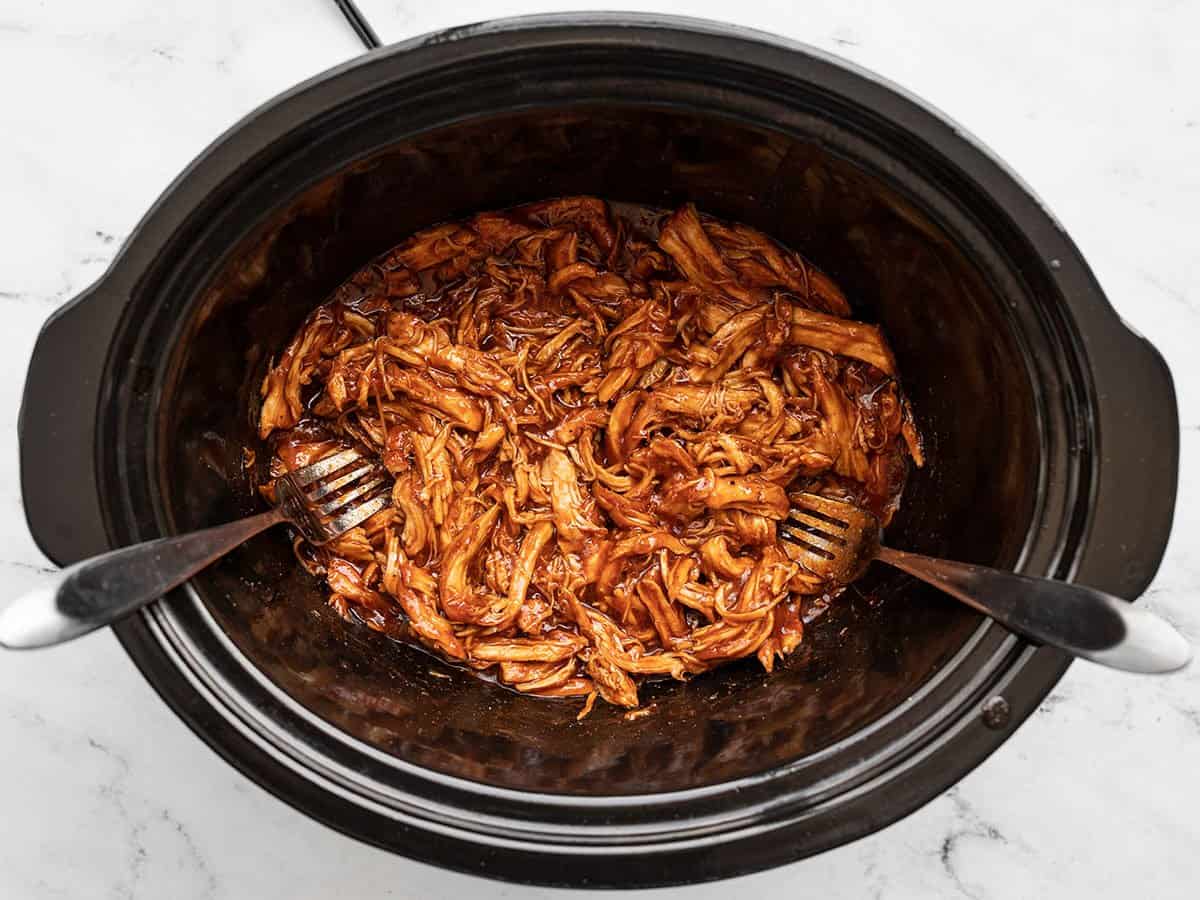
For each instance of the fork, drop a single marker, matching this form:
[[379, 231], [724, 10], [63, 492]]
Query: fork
[[323, 501], [837, 540]]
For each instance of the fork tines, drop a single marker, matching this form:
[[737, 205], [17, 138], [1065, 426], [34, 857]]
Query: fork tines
[[323, 467], [812, 533], [817, 524], [356, 489], [829, 534]]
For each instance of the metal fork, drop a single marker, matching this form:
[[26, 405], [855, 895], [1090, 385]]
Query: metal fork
[[323, 500], [837, 540]]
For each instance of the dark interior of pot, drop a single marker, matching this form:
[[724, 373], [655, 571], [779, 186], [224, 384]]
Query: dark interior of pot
[[959, 359]]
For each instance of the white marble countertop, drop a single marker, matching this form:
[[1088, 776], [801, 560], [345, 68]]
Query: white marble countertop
[[107, 794]]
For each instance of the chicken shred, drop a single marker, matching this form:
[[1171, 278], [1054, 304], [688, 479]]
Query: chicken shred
[[593, 423]]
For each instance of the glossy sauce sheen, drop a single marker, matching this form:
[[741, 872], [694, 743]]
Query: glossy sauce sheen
[[593, 418]]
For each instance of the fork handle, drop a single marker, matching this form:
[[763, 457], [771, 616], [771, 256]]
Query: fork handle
[[98, 591], [1081, 620]]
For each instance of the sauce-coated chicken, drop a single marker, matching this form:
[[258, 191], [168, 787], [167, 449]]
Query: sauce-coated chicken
[[593, 428]]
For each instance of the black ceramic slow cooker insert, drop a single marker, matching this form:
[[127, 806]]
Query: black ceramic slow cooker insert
[[1037, 404]]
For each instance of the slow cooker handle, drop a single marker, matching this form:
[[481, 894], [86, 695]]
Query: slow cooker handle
[[1132, 507], [56, 427]]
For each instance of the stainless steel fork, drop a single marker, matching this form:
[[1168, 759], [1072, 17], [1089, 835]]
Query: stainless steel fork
[[838, 539], [323, 500]]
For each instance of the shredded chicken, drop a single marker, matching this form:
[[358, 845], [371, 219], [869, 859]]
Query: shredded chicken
[[593, 428]]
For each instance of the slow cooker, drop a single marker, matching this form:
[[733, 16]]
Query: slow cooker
[[1051, 433]]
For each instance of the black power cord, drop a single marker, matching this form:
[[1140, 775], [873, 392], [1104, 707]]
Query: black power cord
[[359, 23]]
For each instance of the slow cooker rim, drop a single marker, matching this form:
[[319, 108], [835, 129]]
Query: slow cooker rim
[[134, 636]]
